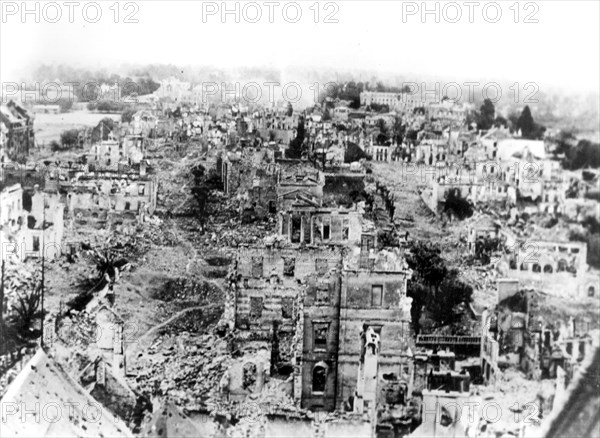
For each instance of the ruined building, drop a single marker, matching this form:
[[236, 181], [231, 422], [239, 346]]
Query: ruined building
[[375, 335], [17, 134]]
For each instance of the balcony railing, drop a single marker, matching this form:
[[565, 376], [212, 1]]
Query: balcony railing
[[448, 340]]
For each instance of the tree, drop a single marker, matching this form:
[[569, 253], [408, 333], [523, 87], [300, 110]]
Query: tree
[[295, 148], [398, 130], [525, 123], [500, 122], [108, 261], [565, 141], [418, 292], [69, 138], [290, 110], [434, 287], [55, 146], [585, 154], [22, 322], [353, 153], [443, 303], [484, 247], [127, 115], [383, 108], [203, 184], [65, 104], [487, 113], [382, 137], [457, 205], [513, 121]]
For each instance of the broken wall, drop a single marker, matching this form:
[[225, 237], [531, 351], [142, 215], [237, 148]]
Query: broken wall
[[321, 340], [377, 300]]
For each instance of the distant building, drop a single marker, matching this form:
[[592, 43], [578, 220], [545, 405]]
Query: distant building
[[18, 137]]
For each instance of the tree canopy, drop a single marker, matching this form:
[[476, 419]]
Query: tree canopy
[[434, 287], [353, 153], [487, 113], [295, 148]]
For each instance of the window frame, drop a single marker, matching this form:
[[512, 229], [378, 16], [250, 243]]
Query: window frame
[[373, 288], [319, 326]]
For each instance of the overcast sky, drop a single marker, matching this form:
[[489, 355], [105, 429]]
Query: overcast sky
[[562, 49]]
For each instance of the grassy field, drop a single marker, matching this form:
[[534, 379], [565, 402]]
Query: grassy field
[[48, 127]]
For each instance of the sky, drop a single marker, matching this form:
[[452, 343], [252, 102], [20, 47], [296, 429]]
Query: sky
[[561, 49]]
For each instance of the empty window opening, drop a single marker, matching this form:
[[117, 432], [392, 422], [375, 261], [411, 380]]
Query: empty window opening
[[562, 265], [296, 229], [345, 229], [320, 336], [326, 229], [287, 307], [376, 295], [289, 266], [36, 243], [319, 378]]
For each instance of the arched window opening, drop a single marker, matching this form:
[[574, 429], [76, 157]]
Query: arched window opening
[[319, 378], [562, 265]]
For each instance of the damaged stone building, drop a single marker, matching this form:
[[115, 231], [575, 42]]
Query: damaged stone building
[[306, 214], [17, 133], [251, 176], [278, 291], [125, 191], [31, 222], [335, 304], [375, 363]]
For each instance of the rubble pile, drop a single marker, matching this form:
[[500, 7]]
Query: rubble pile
[[188, 290], [183, 368], [195, 321], [78, 331]]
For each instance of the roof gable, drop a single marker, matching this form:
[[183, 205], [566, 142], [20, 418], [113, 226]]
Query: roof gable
[[43, 382]]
